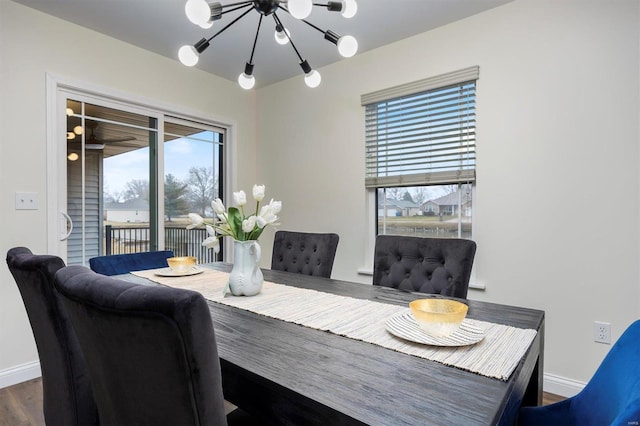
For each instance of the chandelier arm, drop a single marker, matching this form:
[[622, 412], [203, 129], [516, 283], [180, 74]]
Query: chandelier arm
[[312, 26], [255, 41], [244, 4], [328, 35], [333, 6], [229, 24], [275, 17]]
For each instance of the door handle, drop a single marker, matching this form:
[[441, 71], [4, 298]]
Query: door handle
[[69, 222]]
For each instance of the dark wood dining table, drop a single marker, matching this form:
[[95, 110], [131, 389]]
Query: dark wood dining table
[[302, 376]]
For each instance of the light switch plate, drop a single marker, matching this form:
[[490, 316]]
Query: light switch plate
[[26, 201]]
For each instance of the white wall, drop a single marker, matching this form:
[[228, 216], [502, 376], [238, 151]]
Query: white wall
[[558, 126], [33, 44]]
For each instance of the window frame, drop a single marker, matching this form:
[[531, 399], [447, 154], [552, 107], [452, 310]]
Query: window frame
[[371, 204]]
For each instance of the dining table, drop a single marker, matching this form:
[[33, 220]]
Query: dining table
[[289, 373]]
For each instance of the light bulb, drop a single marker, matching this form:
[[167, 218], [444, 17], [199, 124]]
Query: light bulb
[[349, 8], [207, 24], [72, 157], [188, 55], [246, 81], [69, 112], [71, 136], [281, 37], [347, 46], [300, 9], [77, 130], [313, 78], [198, 11]]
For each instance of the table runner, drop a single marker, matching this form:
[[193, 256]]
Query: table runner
[[496, 356]]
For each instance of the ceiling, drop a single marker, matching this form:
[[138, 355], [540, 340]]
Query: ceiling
[[111, 132], [161, 26]]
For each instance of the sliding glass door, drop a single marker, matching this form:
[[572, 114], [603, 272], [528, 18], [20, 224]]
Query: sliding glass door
[[193, 162], [132, 176], [111, 153]]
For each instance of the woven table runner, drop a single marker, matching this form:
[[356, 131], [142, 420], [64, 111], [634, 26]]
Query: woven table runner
[[496, 356]]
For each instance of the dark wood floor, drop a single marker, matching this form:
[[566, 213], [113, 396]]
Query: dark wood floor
[[21, 404]]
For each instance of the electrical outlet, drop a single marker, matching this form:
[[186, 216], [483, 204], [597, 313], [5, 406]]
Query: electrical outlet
[[602, 332], [26, 201]]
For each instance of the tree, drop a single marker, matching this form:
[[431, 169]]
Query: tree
[[407, 196], [450, 189], [136, 189], [202, 188], [394, 193], [111, 196], [175, 194], [420, 194]]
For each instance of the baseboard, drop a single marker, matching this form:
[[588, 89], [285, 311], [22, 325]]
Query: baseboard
[[20, 373], [561, 385]]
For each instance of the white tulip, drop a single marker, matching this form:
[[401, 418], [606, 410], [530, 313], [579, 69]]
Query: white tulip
[[240, 198], [222, 218], [217, 206], [261, 222], [268, 214], [196, 220], [212, 242], [273, 207], [258, 192], [276, 206], [248, 224]]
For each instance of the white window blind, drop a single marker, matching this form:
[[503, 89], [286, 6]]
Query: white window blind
[[423, 132]]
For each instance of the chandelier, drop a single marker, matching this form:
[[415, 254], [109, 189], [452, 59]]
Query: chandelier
[[203, 13]]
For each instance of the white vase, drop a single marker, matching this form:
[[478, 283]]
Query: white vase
[[246, 277]]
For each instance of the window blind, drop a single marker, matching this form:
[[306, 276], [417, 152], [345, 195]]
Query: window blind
[[423, 137]]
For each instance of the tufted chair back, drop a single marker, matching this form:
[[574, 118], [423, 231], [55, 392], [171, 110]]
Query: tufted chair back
[[151, 351], [67, 393], [427, 265], [117, 264], [304, 253]]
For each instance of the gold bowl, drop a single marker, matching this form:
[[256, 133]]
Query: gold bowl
[[182, 264], [438, 317]]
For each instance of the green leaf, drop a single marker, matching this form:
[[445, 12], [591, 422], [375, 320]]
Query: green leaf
[[235, 223], [255, 234]]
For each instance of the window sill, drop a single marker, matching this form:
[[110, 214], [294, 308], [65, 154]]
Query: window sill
[[365, 271], [475, 285]]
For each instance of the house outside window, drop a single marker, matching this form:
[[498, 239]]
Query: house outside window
[[420, 157], [442, 211]]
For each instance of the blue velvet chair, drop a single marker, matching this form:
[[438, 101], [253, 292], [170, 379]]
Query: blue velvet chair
[[304, 253], [66, 388], [612, 396], [118, 264], [151, 351]]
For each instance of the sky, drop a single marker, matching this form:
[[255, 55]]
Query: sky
[[180, 155]]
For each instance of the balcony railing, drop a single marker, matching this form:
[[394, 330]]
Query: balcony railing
[[183, 242]]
